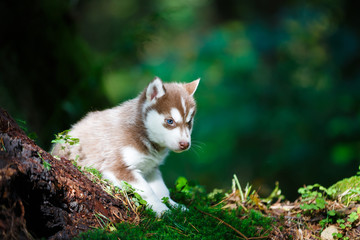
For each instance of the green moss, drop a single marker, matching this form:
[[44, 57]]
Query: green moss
[[347, 189], [192, 224], [200, 221]]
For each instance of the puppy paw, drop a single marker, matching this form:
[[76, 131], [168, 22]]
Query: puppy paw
[[159, 209], [178, 205]]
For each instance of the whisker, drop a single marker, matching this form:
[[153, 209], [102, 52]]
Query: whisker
[[196, 152], [198, 143], [197, 147]]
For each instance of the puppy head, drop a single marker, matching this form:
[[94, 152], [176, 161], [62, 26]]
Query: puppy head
[[169, 111]]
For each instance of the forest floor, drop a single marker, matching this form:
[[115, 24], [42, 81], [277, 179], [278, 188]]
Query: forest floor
[[318, 213]]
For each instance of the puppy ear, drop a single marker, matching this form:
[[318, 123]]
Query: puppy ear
[[191, 87], [155, 90]]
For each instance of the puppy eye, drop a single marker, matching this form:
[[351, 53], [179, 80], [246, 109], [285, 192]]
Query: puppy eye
[[169, 121]]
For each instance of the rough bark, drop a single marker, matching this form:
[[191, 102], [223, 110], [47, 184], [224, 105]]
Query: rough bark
[[55, 203]]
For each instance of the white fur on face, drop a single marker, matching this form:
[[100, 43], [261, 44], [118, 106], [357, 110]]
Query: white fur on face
[[187, 133], [175, 114], [159, 134], [183, 104], [188, 117]]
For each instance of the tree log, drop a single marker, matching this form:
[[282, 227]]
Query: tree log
[[54, 202]]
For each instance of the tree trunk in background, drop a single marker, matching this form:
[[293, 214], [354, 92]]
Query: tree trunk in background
[[57, 203]]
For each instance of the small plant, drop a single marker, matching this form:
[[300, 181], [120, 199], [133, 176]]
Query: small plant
[[165, 200], [340, 236], [127, 189], [64, 138], [75, 163], [3, 149], [314, 197], [186, 191], [346, 225], [244, 194], [23, 125], [328, 218], [353, 216], [319, 204], [275, 194], [342, 224], [246, 197], [96, 173], [46, 165], [182, 184], [316, 190], [104, 222]]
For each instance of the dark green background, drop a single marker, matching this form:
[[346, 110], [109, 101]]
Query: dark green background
[[279, 97]]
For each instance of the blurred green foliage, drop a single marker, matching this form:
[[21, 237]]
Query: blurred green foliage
[[279, 96]]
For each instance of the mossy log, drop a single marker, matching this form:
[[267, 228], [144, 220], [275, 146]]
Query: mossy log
[[42, 197]]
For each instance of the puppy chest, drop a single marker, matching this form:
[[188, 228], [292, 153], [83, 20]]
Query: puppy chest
[[144, 163]]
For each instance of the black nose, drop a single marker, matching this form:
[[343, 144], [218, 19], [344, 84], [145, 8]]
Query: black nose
[[183, 145]]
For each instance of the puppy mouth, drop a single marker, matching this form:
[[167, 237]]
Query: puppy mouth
[[181, 147], [180, 150]]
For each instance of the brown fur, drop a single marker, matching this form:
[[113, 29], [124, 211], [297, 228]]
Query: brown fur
[[172, 99]]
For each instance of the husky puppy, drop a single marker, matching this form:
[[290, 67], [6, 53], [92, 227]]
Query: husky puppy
[[130, 141]]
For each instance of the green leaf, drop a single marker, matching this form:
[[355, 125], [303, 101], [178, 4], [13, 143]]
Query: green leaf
[[139, 198], [353, 217], [331, 213], [112, 228], [165, 199], [320, 202], [181, 183], [61, 141], [337, 235], [340, 221], [46, 165]]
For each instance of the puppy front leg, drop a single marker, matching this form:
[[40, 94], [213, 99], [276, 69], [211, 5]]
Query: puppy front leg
[[143, 188], [157, 184], [147, 193]]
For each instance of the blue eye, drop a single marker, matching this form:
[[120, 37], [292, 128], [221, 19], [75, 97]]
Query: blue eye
[[170, 121]]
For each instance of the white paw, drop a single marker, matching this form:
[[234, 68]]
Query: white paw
[[159, 208], [177, 205]]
